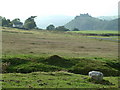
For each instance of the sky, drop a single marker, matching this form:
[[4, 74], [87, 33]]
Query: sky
[[25, 8]]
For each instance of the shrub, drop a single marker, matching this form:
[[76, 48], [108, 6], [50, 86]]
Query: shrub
[[4, 67]]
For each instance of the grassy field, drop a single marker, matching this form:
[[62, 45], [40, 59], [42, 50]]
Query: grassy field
[[47, 59], [97, 31], [50, 43], [55, 80], [110, 35]]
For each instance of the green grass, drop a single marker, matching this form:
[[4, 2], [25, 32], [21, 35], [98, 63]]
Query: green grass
[[110, 37], [55, 43], [109, 67], [100, 33], [97, 32], [47, 59], [59, 79]]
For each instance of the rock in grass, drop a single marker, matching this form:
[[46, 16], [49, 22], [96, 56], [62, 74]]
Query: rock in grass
[[96, 75]]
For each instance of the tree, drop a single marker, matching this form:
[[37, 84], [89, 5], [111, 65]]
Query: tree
[[75, 29], [6, 22], [51, 27], [9, 23], [61, 28], [17, 23], [15, 20], [30, 23]]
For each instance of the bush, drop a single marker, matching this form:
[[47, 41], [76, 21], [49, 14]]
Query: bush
[[61, 28], [3, 67], [75, 29]]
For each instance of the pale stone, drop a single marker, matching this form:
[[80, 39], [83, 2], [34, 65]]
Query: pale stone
[[96, 75]]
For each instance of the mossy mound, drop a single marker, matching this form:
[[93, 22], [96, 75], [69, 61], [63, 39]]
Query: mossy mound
[[32, 67], [15, 61], [85, 66], [59, 61]]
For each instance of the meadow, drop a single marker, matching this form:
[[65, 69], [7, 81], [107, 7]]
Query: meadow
[[50, 59], [97, 31], [56, 43]]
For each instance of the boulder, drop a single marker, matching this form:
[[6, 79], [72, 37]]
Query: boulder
[[96, 75]]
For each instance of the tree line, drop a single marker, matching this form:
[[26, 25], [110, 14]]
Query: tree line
[[28, 24], [16, 23]]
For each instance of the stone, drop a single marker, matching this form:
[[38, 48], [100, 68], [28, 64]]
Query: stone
[[96, 75]]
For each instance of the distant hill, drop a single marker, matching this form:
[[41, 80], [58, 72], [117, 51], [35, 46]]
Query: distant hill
[[107, 17], [87, 22]]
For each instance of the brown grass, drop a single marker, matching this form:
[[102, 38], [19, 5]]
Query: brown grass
[[45, 42]]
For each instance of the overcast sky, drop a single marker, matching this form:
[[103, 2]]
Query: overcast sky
[[25, 8]]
